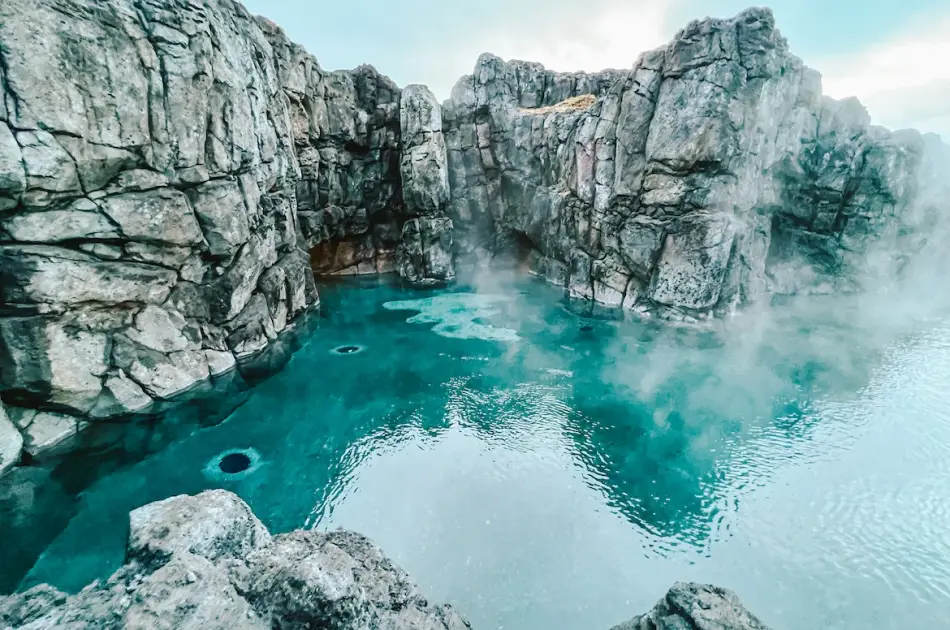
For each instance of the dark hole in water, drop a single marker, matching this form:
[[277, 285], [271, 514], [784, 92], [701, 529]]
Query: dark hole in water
[[347, 349], [234, 463], [587, 328]]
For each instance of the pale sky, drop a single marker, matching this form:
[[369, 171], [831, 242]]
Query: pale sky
[[892, 54]]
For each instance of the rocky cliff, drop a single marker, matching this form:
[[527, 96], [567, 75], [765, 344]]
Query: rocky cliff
[[712, 173], [174, 173], [171, 176], [206, 562]]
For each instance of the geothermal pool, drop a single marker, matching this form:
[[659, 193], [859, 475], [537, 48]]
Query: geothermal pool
[[542, 468]]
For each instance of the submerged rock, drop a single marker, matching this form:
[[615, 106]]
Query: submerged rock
[[11, 442], [206, 562]]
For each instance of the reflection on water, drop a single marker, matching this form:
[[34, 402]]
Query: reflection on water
[[565, 471]]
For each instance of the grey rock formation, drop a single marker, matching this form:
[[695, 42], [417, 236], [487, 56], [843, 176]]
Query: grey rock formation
[[213, 525], [207, 562], [335, 580], [425, 255], [425, 176], [696, 607], [44, 431], [425, 252], [345, 132], [11, 442], [710, 174], [145, 147]]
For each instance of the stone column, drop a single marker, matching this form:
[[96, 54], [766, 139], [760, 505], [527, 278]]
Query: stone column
[[424, 256]]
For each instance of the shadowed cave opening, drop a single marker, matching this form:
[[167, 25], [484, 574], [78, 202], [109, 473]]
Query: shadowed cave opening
[[518, 250]]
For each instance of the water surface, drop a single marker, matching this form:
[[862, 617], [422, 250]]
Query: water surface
[[542, 469]]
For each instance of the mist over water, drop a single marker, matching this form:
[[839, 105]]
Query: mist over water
[[542, 468]]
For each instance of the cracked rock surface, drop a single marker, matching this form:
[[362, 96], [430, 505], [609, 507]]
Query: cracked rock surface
[[206, 562], [696, 607], [710, 174]]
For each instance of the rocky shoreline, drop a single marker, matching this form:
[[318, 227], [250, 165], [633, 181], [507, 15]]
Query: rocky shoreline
[[206, 562]]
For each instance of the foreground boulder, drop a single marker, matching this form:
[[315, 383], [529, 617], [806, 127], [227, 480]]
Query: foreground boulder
[[696, 607], [206, 562]]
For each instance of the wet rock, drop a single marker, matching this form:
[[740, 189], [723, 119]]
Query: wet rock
[[160, 329], [231, 292], [253, 328], [121, 396], [43, 431], [691, 269], [699, 607], [11, 442], [162, 376], [220, 362], [43, 357]]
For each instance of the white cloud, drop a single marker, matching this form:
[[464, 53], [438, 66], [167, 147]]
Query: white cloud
[[611, 37], [567, 36], [904, 82]]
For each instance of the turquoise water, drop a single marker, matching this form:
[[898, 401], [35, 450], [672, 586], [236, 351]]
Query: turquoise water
[[539, 468]]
